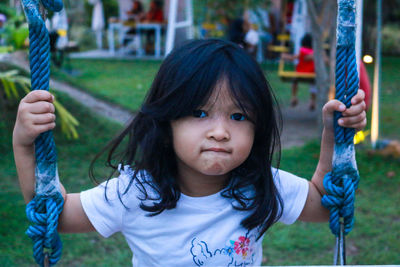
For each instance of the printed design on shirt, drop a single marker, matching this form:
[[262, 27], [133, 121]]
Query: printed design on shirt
[[239, 252]]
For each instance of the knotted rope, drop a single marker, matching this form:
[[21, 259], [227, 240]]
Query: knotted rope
[[341, 183], [44, 209]]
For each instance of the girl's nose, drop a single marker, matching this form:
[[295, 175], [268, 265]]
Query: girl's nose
[[219, 131]]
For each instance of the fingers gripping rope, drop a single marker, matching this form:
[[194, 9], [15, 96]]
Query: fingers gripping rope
[[342, 182], [43, 211]]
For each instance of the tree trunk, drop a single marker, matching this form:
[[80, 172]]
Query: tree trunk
[[321, 72]]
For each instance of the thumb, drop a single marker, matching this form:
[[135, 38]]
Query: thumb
[[332, 106]]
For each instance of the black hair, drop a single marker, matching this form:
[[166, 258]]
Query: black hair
[[139, 8], [184, 82], [158, 3], [235, 32], [306, 41]]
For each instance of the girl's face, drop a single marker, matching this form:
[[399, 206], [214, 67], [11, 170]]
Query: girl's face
[[212, 142]]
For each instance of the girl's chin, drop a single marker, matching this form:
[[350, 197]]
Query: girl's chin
[[216, 169]]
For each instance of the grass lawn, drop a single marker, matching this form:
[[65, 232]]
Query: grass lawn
[[374, 240], [121, 82]]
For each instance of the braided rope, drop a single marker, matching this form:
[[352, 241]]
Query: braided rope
[[341, 183], [43, 211]]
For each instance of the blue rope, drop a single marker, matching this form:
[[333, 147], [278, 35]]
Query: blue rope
[[341, 183], [43, 211]]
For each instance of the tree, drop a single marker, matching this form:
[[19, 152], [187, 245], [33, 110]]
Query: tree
[[323, 26]]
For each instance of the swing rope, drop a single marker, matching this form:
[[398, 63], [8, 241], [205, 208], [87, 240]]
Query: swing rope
[[341, 183], [44, 209]]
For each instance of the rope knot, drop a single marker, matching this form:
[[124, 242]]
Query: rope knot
[[340, 185], [43, 212]]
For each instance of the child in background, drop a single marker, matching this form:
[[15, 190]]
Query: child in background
[[196, 185], [155, 14], [136, 13], [240, 32], [305, 65]]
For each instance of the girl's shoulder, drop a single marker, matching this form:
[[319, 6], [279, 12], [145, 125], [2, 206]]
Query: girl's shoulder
[[129, 186], [137, 182]]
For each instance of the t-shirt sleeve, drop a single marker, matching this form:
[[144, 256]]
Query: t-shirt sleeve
[[106, 204], [293, 191]]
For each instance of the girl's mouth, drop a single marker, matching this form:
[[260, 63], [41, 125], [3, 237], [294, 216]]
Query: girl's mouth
[[217, 149]]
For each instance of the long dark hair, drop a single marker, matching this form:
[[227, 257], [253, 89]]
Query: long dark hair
[[306, 41], [184, 82]]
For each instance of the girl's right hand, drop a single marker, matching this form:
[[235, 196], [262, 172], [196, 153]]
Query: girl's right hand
[[35, 116]]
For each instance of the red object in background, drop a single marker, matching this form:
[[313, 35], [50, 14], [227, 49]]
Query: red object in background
[[305, 65], [155, 16], [289, 12], [155, 13], [365, 84]]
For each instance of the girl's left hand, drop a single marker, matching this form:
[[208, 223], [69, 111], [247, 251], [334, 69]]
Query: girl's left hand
[[353, 117]]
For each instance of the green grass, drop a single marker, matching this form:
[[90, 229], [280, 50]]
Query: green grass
[[121, 82], [374, 240], [389, 97]]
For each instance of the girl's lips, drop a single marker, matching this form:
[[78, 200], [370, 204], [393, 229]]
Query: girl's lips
[[217, 149]]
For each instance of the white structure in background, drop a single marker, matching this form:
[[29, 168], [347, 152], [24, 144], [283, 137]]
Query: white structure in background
[[179, 14], [124, 7], [98, 21], [174, 24], [300, 24]]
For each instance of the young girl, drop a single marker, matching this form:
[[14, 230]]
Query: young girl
[[305, 65], [196, 186]]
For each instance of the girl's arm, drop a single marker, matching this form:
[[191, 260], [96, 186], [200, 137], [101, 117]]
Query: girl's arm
[[286, 56], [36, 115], [353, 117]]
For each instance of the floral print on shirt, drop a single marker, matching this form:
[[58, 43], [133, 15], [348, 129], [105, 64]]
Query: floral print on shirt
[[238, 252]]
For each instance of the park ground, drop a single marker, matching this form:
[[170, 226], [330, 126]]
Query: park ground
[[374, 240]]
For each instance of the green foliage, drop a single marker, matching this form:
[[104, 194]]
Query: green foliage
[[14, 86], [16, 32], [391, 39], [7, 10]]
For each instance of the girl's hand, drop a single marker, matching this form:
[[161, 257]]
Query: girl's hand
[[35, 116], [353, 117]]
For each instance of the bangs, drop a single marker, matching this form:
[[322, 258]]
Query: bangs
[[191, 73]]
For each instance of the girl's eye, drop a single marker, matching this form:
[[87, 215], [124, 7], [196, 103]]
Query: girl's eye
[[199, 113], [238, 117]]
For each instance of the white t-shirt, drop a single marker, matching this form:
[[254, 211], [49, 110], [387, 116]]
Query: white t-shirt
[[251, 37], [200, 231]]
